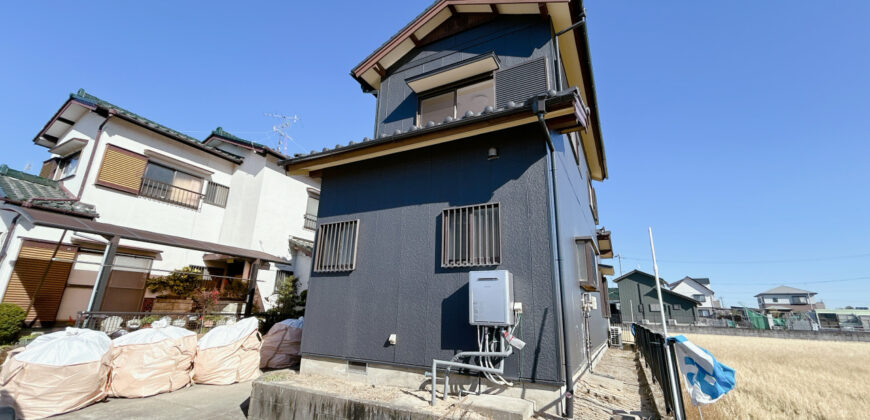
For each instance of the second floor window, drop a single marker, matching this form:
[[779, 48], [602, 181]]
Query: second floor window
[[699, 298], [216, 194], [456, 102], [68, 166], [167, 184], [798, 300], [311, 210]]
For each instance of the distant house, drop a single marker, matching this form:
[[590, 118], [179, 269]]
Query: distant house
[[787, 299], [639, 302], [698, 289], [157, 201]]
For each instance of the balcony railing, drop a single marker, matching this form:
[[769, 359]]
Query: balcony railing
[[169, 193], [310, 221]]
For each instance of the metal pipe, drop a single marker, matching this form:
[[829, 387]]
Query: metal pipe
[[8, 237], [499, 370], [93, 152], [558, 54], [539, 106]]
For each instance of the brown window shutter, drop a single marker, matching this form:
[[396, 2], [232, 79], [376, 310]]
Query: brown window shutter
[[48, 168], [122, 169], [33, 259]]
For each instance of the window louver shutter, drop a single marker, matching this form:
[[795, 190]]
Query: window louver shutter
[[122, 169], [33, 259], [48, 168], [521, 82]]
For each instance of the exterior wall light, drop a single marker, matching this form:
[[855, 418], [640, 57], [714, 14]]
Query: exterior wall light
[[492, 154]]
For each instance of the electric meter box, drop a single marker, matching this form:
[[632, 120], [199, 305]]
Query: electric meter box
[[490, 298]]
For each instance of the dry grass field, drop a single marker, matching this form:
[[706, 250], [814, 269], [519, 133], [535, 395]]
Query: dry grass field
[[789, 379]]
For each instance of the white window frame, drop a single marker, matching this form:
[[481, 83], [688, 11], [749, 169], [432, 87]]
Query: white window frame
[[63, 165]]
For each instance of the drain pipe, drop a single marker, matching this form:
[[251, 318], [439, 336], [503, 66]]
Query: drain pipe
[[539, 106], [111, 114], [558, 55], [9, 234]]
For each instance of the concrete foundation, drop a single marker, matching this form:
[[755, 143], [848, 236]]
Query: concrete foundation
[[546, 398], [288, 400]]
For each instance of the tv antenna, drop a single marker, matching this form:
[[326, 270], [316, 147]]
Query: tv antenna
[[281, 130]]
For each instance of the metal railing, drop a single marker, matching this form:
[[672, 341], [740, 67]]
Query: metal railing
[[651, 346], [111, 322], [170, 193], [310, 221]]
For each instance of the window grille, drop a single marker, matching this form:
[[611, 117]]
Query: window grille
[[216, 194], [471, 236], [335, 249]]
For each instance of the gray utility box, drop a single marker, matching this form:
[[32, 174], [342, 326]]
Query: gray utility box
[[490, 298]]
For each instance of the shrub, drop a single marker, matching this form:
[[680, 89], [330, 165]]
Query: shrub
[[11, 322], [180, 283], [289, 304]]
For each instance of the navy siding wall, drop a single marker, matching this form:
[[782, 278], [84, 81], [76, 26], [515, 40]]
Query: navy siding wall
[[399, 286], [575, 220], [514, 39]]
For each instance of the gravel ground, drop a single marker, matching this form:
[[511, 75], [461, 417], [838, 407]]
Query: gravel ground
[[612, 388]]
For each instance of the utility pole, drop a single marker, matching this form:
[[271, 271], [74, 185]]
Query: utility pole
[[619, 257], [669, 364]]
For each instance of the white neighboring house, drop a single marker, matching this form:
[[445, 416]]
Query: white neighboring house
[[698, 289], [222, 205]]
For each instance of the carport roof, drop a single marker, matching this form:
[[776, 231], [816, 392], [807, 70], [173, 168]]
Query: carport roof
[[79, 224]]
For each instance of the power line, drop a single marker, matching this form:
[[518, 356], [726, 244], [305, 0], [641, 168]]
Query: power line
[[773, 261]]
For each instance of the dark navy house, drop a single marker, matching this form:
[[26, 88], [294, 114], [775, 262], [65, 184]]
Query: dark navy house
[[486, 143]]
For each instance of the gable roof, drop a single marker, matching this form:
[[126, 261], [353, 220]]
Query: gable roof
[[106, 108], [567, 18], [28, 190], [221, 134], [665, 290], [694, 280], [786, 290]]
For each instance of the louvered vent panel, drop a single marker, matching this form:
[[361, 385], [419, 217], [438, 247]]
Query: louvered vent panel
[[521, 82], [122, 169]]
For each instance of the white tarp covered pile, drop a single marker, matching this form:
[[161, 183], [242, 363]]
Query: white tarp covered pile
[[152, 361], [228, 354], [281, 345], [57, 373]]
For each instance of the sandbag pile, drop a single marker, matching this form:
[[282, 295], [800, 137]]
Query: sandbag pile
[[228, 354], [152, 360], [57, 373], [281, 345]]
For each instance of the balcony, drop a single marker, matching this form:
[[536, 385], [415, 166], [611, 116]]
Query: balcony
[[310, 222], [170, 193]]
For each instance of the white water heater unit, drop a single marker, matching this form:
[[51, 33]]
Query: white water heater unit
[[490, 298]]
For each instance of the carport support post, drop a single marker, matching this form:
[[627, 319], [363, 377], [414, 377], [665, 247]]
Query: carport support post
[[103, 275], [252, 287]]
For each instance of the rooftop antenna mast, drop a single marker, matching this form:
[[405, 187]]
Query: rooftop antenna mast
[[286, 122]]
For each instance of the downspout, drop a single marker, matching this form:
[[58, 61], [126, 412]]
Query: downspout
[[8, 237], [540, 108], [558, 55], [93, 153]]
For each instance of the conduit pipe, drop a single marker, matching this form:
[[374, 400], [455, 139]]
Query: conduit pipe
[[452, 363]]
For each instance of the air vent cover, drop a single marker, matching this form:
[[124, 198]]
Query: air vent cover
[[521, 82]]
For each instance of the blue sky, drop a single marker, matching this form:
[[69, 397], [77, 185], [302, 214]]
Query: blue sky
[[737, 130]]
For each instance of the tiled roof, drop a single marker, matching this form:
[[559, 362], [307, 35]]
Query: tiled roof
[[786, 290], [552, 98], [85, 97], [19, 187], [220, 132]]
